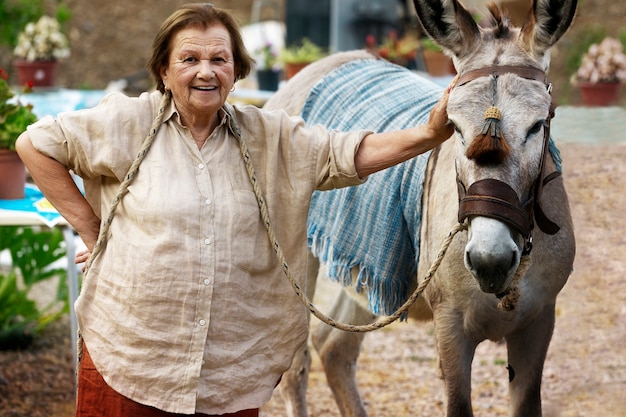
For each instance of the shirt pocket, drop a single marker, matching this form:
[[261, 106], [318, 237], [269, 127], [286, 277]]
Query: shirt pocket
[[251, 250]]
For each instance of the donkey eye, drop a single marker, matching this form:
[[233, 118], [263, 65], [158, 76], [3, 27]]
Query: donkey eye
[[458, 132], [456, 128], [535, 129]]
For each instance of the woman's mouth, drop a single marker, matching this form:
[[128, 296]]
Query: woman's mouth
[[204, 88]]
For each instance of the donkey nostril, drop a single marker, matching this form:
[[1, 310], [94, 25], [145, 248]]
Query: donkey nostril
[[468, 260]]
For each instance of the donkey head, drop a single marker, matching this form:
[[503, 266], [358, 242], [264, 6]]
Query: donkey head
[[501, 110]]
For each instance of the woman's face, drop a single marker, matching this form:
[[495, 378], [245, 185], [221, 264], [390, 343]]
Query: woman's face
[[200, 72]]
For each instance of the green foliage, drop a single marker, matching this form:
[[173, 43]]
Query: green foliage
[[14, 117], [429, 45], [15, 14], [63, 13], [32, 252], [305, 52], [499, 361], [266, 57]]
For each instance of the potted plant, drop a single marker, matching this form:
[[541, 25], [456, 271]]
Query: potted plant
[[299, 56], [39, 47], [401, 51], [14, 118], [268, 69], [437, 63], [601, 73]]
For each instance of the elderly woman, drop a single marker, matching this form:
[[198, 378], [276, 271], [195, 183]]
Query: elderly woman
[[185, 309]]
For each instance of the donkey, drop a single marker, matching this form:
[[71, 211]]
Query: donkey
[[498, 174]]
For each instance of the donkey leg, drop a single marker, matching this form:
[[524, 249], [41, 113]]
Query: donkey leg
[[527, 351], [294, 382], [339, 352], [456, 352]]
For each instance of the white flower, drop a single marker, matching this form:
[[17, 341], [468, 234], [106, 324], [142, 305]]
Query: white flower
[[603, 63], [42, 41]]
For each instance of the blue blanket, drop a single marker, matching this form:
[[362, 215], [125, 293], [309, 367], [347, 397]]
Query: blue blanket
[[374, 226]]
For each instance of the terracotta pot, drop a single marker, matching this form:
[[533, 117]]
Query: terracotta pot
[[40, 73], [12, 176], [599, 94], [437, 64], [292, 69]]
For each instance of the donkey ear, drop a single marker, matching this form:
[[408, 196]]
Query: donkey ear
[[448, 23], [547, 21]]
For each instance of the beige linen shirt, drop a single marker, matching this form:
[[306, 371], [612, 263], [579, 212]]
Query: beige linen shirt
[[187, 309]]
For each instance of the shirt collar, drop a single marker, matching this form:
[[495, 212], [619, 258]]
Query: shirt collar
[[231, 121], [226, 115]]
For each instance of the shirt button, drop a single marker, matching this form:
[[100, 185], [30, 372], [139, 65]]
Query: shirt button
[[206, 281], [200, 166], [207, 201], [202, 322], [207, 241]]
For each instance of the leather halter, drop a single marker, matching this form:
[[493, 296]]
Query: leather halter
[[529, 73], [496, 199]]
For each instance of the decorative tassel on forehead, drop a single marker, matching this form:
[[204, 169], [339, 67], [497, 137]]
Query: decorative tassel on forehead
[[492, 123], [490, 146]]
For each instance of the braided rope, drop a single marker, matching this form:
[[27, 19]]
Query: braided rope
[[382, 321], [130, 175]]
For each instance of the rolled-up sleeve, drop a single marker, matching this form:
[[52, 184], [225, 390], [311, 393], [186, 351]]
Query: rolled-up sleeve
[[313, 157], [48, 138], [340, 170]]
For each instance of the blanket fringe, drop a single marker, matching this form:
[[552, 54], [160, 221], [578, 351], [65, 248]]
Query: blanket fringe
[[384, 295]]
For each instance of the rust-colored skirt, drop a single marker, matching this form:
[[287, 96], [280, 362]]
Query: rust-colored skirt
[[96, 399]]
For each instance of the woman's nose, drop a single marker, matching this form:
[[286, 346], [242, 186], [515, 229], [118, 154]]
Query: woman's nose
[[205, 69]]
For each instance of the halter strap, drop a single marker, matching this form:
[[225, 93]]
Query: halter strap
[[527, 72]]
